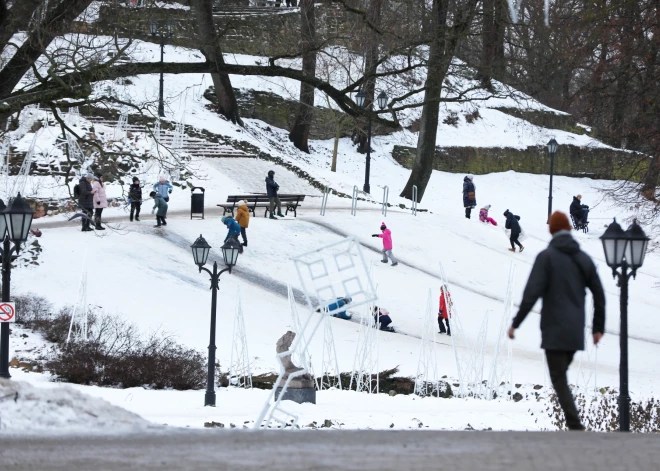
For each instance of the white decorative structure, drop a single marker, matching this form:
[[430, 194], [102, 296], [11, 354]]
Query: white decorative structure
[[329, 377], [239, 365], [474, 377], [501, 373], [80, 314], [587, 371], [301, 356], [178, 140], [122, 125], [21, 179], [514, 10], [76, 154], [73, 116], [27, 118], [365, 364], [325, 274], [459, 343], [427, 366], [5, 164]]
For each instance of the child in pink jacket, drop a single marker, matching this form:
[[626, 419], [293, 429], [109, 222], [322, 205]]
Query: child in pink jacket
[[386, 235], [483, 216]]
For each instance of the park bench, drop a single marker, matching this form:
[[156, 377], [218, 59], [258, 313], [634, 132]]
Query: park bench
[[291, 203]]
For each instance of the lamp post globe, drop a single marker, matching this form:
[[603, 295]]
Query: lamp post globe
[[153, 27], [552, 146], [18, 219], [360, 98], [614, 242], [3, 223], [230, 251], [382, 100], [635, 250], [200, 250]]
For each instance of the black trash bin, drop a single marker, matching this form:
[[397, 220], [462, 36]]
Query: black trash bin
[[197, 203]]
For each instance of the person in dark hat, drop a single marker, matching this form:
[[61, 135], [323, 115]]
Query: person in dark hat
[[514, 226], [271, 190], [560, 276], [135, 198]]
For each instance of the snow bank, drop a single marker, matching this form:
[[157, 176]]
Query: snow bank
[[25, 408]]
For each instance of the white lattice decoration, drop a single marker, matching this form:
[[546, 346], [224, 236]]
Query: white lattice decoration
[[79, 327], [301, 356], [427, 365], [329, 377], [586, 376], [21, 179], [239, 365], [122, 125], [365, 365], [501, 373]]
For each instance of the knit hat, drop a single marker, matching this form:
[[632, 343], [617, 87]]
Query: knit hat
[[242, 203], [559, 222], [487, 207], [136, 179], [222, 219], [90, 175], [271, 173], [470, 176], [383, 226]]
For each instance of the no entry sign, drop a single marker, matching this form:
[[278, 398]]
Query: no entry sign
[[7, 312]]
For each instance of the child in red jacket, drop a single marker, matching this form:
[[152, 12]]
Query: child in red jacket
[[443, 312]]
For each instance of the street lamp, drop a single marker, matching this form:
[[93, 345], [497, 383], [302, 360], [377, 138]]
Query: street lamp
[[200, 251], [361, 101], [162, 28], [625, 250], [15, 222], [552, 150]]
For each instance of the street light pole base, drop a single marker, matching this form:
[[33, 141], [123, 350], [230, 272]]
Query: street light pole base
[[367, 189], [209, 399]]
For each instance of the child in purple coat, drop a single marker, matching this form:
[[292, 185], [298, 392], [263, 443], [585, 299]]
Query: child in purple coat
[[386, 235]]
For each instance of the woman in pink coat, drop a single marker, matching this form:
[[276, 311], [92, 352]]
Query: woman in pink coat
[[386, 235], [483, 216], [100, 200]]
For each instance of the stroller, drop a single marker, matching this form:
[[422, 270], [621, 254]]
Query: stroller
[[581, 224]]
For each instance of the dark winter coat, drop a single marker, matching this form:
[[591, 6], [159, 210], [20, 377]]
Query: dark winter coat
[[512, 222], [469, 188], [86, 199], [271, 187], [160, 205], [560, 275], [576, 208], [233, 227], [135, 193]]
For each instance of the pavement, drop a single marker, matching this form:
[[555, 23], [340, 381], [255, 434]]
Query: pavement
[[294, 450]]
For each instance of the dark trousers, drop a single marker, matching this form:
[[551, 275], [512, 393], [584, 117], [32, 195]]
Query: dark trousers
[[160, 221], [441, 324], [85, 221], [468, 212], [514, 240], [135, 209], [97, 216], [558, 363], [244, 235]]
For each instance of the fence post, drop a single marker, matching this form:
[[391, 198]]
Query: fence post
[[354, 202], [386, 197], [324, 201], [414, 197]]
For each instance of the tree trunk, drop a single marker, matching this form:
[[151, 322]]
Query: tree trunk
[[441, 51], [299, 134], [487, 42], [371, 56], [16, 19], [210, 47], [57, 22], [499, 27]]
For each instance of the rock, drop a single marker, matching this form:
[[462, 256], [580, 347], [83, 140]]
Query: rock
[[518, 385], [392, 393], [537, 387], [214, 425], [517, 397], [327, 423]]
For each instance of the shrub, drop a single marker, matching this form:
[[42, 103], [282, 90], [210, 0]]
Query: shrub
[[472, 117], [452, 119]]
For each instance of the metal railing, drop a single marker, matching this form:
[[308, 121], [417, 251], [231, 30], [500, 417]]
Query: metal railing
[[386, 197], [354, 202], [324, 201], [414, 200]]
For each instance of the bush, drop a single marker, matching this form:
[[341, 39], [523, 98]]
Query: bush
[[452, 119], [115, 354], [472, 117]]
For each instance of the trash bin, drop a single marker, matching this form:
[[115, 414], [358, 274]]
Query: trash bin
[[197, 202]]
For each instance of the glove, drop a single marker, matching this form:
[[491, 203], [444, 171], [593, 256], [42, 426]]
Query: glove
[[130, 201], [374, 235], [153, 211], [169, 191]]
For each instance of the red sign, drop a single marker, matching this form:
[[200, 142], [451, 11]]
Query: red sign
[[7, 312]]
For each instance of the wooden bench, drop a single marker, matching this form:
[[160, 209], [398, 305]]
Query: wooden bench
[[291, 202]]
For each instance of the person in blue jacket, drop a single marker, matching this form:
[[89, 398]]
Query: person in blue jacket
[[163, 188], [234, 230], [338, 304], [271, 190]]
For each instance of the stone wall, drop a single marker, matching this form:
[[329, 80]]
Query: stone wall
[[570, 161]]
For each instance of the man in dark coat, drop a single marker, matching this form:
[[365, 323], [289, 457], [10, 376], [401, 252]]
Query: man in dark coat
[[578, 210], [135, 197], [560, 275], [469, 195], [86, 200], [513, 225], [271, 189]]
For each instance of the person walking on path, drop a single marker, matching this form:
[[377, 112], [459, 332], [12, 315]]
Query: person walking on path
[[386, 235], [135, 198], [86, 200], [163, 188], [271, 189], [100, 200], [469, 195], [483, 216], [243, 220], [443, 313], [161, 205], [514, 226], [233, 230], [560, 275]]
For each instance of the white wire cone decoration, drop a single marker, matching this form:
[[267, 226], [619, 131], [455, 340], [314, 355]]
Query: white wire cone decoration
[[427, 365], [365, 364], [80, 314], [500, 381], [239, 366]]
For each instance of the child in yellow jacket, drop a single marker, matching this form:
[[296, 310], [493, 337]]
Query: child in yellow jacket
[[243, 220]]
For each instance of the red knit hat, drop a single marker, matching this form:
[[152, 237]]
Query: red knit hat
[[559, 222]]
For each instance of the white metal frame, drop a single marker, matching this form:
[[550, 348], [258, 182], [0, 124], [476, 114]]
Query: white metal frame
[[354, 200], [386, 197], [239, 365]]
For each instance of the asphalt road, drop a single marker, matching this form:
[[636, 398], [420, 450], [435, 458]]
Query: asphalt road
[[333, 450]]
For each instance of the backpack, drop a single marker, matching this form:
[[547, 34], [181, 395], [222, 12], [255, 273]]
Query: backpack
[[76, 190]]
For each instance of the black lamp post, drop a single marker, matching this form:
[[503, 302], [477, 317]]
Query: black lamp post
[[625, 250], [552, 150], [15, 222], [361, 100], [201, 250], [162, 28]]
